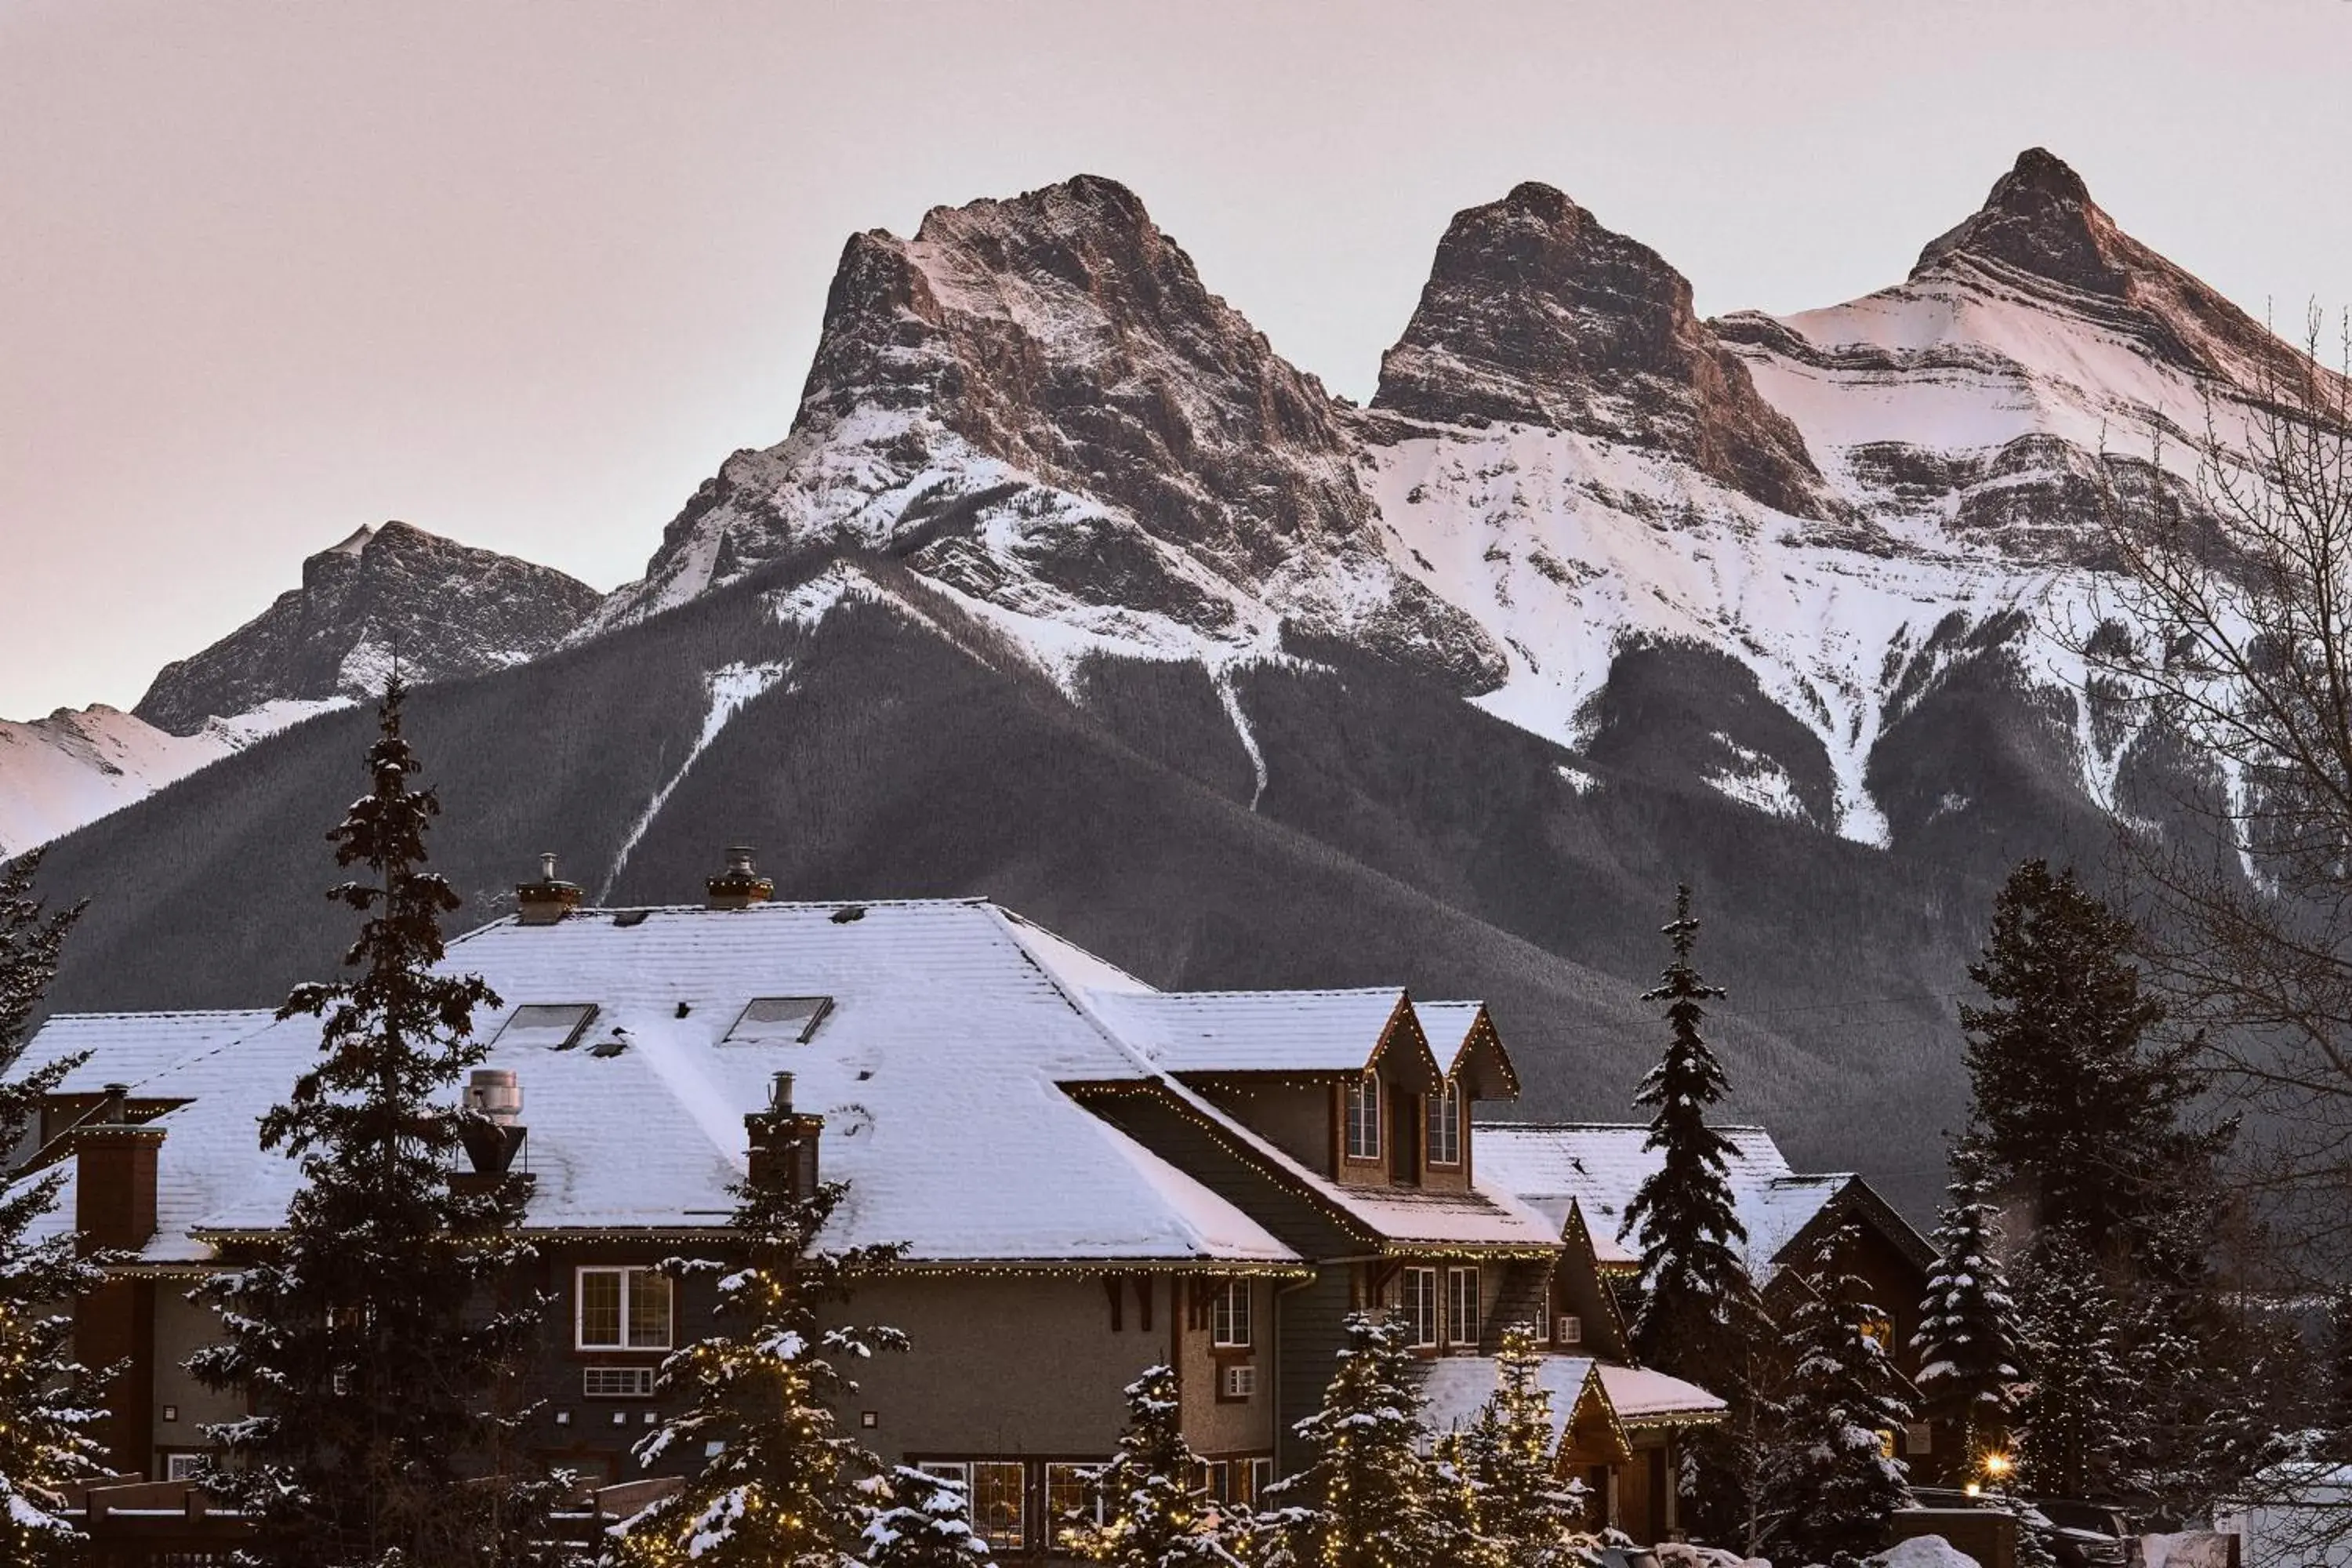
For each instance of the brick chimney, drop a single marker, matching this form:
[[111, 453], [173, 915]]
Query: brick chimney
[[740, 886], [114, 1185], [548, 900], [783, 1142]]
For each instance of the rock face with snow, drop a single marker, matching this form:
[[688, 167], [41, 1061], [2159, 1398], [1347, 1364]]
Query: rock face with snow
[[77, 765], [1536, 314], [1036, 404], [445, 610]]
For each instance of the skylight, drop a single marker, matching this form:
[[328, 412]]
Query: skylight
[[779, 1020], [552, 1026]]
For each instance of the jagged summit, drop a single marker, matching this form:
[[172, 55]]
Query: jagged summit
[[2040, 219], [449, 609], [1536, 313]]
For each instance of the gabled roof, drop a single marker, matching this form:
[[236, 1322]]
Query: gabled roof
[[935, 1071], [1597, 1167], [1455, 1389], [137, 1046], [1210, 1033], [1464, 1036]]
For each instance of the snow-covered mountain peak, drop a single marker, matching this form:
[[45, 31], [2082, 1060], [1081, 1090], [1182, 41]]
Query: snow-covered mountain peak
[[1536, 313], [2039, 219]]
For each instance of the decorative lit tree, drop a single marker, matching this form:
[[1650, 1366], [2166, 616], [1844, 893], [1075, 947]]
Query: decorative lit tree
[[1537, 1519], [363, 1332], [1834, 1480], [2075, 1442], [1699, 1317], [1149, 1511], [1364, 1502], [919, 1521], [782, 1485], [47, 1402], [1459, 1536], [1970, 1363]]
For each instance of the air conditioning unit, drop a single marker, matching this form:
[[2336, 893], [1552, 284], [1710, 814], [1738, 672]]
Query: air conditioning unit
[[1240, 1380], [616, 1382], [1568, 1328]]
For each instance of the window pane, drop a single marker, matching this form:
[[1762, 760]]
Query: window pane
[[1228, 1315], [1420, 1304], [1462, 1309], [996, 1503], [599, 1308], [1066, 1494], [1445, 1126], [648, 1310]]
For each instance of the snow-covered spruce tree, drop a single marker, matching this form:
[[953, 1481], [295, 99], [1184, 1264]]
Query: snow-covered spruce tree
[[919, 1520], [1833, 1481], [1364, 1502], [1149, 1510], [785, 1488], [1458, 1497], [1698, 1315], [1537, 1519], [1970, 1361], [365, 1333], [2073, 1427], [46, 1400]]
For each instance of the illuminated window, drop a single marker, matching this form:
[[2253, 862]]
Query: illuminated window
[[1886, 1442], [621, 1310], [1068, 1503], [1446, 1125], [1461, 1306], [1364, 1118], [1420, 1305], [997, 1498], [1211, 1479], [1229, 1316]]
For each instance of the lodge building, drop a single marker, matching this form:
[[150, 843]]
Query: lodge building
[[1087, 1176]]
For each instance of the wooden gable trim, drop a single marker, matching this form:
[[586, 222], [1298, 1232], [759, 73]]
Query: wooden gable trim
[[1482, 1051], [1404, 1027], [1592, 1434], [1855, 1199]]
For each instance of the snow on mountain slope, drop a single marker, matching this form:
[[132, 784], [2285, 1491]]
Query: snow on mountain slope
[[76, 765]]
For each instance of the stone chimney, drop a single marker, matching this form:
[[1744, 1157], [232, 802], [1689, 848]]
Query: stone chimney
[[548, 900], [114, 1184], [740, 886], [783, 1142]]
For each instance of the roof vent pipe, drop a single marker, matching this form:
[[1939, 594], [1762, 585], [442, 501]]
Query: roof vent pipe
[[779, 1095], [494, 1133], [740, 885]]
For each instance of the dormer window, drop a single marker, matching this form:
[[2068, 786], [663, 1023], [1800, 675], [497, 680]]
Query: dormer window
[[779, 1021], [1364, 1118], [552, 1027], [1446, 1125]]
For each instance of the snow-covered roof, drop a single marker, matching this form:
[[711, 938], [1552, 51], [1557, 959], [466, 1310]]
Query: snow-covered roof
[[1259, 1031], [133, 1048], [936, 1070], [1455, 1389], [1596, 1168]]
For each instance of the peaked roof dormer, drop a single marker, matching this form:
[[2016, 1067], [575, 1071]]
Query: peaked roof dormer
[[1286, 1034]]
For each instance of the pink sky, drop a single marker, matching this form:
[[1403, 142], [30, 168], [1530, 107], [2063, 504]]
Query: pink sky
[[524, 273]]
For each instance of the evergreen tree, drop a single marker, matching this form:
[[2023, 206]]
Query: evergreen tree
[[1364, 1502], [1537, 1519], [1149, 1510], [2075, 1423], [47, 1402], [1698, 1316], [2075, 1109], [1458, 1463], [919, 1521], [1970, 1363], [1833, 1482], [784, 1489], [362, 1332]]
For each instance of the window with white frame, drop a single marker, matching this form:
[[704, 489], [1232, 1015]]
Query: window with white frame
[[1364, 1118], [1461, 1306], [1446, 1125], [185, 1465], [1069, 1504], [1542, 1325], [1229, 1316], [1214, 1480], [621, 1310], [998, 1499], [1568, 1328], [1419, 1303]]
